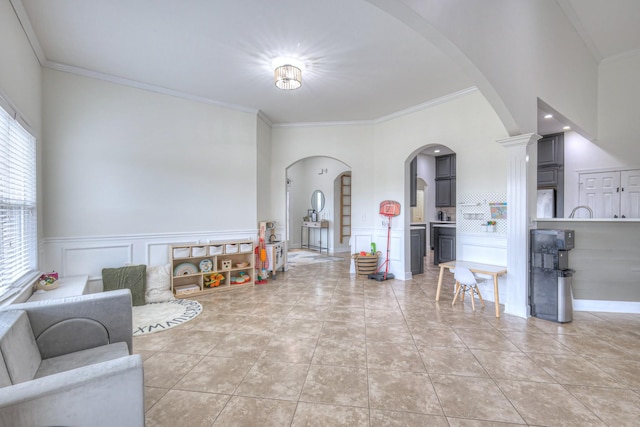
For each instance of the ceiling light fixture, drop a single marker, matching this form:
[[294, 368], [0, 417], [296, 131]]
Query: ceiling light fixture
[[548, 116], [436, 151], [287, 73], [566, 128]]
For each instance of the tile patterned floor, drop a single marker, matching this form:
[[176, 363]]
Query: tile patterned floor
[[318, 347]]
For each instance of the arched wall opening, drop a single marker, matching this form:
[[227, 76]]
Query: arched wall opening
[[305, 177], [426, 180]]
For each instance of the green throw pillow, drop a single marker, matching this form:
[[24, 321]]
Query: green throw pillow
[[130, 277]]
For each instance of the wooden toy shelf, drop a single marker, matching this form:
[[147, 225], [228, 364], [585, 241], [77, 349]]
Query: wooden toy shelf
[[204, 268]]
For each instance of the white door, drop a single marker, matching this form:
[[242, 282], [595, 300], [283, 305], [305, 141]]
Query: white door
[[630, 194], [601, 192]]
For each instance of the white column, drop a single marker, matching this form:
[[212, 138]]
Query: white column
[[521, 193]]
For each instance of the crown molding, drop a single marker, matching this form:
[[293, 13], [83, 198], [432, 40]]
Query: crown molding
[[428, 104], [620, 56], [21, 14], [576, 23], [324, 124], [407, 111], [144, 86], [262, 116]]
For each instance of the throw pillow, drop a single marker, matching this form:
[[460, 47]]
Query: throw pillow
[[158, 284], [131, 277]]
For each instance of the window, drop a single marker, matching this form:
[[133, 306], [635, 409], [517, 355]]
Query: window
[[18, 210]]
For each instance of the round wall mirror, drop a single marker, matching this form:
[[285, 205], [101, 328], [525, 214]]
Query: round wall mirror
[[317, 201]]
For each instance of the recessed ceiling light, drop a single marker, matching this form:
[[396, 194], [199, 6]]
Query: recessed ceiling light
[[566, 128], [436, 151], [548, 116]]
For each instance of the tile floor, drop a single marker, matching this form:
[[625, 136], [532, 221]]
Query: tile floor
[[319, 347]]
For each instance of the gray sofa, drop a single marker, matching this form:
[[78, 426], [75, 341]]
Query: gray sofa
[[69, 362]]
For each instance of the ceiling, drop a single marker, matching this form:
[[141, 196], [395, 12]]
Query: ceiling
[[361, 63]]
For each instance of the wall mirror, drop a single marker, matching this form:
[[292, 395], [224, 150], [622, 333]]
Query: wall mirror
[[317, 200]]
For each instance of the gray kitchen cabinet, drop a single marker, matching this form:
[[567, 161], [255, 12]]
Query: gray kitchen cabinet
[[551, 150], [446, 181], [445, 247]]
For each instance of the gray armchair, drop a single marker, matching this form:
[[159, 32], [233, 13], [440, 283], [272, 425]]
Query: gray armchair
[[69, 362]]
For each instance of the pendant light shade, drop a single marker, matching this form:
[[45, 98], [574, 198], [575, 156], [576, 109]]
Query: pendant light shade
[[288, 77]]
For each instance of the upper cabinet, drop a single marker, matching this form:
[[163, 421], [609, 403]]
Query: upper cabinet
[[413, 182], [446, 180], [551, 150], [446, 166], [551, 168]]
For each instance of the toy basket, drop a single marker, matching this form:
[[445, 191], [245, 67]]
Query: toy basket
[[366, 264]]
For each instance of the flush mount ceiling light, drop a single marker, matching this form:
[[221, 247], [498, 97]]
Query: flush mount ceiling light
[[287, 73]]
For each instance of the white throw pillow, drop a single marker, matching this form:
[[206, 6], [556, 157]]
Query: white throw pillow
[[158, 284]]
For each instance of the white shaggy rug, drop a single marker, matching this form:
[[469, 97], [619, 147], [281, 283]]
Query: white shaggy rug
[[160, 316]]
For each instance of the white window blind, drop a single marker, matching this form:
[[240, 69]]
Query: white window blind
[[18, 219]]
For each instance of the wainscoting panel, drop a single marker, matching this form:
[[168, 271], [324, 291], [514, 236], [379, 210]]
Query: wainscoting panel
[[487, 249], [89, 255], [482, 248], [91, 260], [361, 241]]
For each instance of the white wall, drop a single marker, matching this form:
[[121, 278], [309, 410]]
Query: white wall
[[379, 158], [350, 144], [618, 94], [119, 160], [263, 170], [515, 51], [617, 145], [20, 73], [582, 155], [305, 179], [468, 126]]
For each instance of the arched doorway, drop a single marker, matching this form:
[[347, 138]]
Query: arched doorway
[[310, 181], [432, 192]]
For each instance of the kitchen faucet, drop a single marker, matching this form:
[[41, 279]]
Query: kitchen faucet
[[573, 212]]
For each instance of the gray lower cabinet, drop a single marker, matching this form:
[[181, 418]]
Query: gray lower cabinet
[[445, 245], [418, 243]]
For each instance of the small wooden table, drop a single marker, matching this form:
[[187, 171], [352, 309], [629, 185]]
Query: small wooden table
[[475, 267]]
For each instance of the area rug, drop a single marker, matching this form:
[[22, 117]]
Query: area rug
[[160, 316], [306, 257]]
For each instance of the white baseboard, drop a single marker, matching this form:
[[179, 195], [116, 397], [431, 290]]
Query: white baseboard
[[606, 306]]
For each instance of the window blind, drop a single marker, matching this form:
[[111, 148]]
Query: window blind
[[18, 207]]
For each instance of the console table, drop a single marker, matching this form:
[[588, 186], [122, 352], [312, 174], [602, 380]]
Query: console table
[[315, 225]]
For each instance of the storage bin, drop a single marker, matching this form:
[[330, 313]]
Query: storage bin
[[198, 251], [215, 249], [186, 289], [180, 252], [231, 249], [245, 247], [365, 264]]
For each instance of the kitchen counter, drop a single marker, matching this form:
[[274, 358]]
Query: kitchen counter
[[605, 260], [621, 220]]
